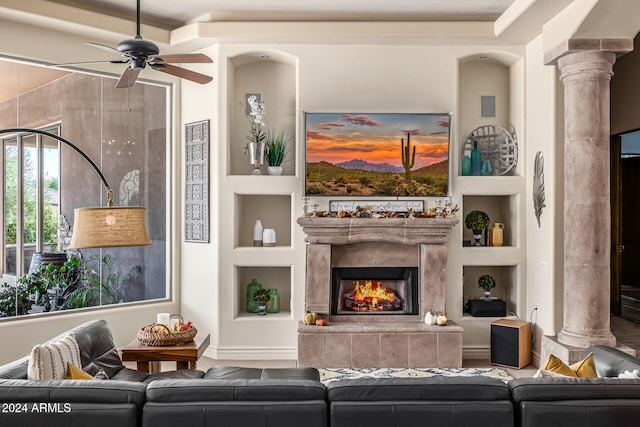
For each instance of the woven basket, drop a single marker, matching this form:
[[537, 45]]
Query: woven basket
[[162, 339]]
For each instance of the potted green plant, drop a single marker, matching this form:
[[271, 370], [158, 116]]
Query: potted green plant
[[276, 151], [50, 282], [103, 283], [261, 296], [477, 222], [486, 282]]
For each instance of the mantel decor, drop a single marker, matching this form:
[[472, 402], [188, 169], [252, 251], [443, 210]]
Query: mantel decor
[[196, 210], [106, 226]]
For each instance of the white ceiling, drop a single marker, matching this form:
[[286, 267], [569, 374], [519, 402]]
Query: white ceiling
[[170, 14]]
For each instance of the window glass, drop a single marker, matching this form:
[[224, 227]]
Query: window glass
[[124, 132]]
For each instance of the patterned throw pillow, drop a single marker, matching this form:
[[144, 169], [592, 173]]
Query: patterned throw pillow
[[101, 375], [49, 361]]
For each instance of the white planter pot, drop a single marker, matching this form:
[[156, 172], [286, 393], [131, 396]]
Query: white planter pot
[[274, 170]]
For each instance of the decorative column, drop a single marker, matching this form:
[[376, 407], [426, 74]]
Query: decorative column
[[586, 68]]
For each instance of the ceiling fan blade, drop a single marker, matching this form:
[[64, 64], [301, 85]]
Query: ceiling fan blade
[[68, 64], [185, 58], [104, 47], [183, 73], [128, 78]]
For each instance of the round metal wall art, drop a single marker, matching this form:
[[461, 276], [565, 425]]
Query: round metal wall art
[[496, 144]]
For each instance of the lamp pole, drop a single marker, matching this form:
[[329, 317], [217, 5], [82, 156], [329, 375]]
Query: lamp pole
[[74, 147]]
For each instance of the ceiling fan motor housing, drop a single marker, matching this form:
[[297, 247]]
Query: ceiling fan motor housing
[[138, 47]]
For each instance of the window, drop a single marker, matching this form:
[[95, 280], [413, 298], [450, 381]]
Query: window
[[125, 132], [31, 198]]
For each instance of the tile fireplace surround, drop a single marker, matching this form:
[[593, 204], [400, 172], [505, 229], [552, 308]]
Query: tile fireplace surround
[[372, 341]]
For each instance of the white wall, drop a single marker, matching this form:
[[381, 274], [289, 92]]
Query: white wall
[[543, 289], [330, 78]]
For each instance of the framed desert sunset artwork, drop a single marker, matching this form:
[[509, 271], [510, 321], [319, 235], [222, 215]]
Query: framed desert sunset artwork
[[377, 154]]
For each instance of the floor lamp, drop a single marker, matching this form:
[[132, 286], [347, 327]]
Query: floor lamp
[[106, 226]]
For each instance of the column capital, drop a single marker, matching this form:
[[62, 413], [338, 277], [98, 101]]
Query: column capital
[[570, 46]]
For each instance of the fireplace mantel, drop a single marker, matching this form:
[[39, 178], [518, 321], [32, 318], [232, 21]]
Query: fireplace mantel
[[342, 231]]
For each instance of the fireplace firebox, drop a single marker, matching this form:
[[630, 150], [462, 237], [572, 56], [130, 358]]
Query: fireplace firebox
[[374, 291]]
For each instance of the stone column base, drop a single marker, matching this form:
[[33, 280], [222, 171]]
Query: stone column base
[[569, 354]]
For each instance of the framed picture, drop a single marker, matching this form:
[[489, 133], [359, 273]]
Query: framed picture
[[378, 154], [196, 210]]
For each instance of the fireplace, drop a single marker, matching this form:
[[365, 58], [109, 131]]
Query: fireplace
[[405, 258], [374, 291]]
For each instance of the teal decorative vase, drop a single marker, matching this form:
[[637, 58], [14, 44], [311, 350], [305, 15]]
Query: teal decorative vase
[[252, 306], [466, 166], [476, 166], [487, 168]]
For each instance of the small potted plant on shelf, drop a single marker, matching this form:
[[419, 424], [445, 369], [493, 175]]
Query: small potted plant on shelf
[[477, 222], [261, 296], [486, 282], [276, 151]]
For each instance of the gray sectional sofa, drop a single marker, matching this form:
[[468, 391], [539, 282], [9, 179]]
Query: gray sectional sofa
[[225, 396]]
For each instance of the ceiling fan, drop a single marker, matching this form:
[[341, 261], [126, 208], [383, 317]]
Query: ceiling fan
[[139, 53]]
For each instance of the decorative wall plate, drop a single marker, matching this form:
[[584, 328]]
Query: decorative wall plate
[[495, 144]]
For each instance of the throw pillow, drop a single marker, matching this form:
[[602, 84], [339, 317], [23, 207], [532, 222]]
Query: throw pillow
[[585, 368], [49, 361], [557, 366], [101, 375], [75, 373]]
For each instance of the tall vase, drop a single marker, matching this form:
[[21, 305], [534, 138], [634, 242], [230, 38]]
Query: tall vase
[[476, 164], [252, 306], [257, 233], [256, 152]]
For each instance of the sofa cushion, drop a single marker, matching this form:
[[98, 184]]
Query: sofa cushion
[[238, 373], [565, 388], [418, 389], [49, 361], [216, 390], [97, 349]]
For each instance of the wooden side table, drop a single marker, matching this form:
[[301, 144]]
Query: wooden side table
[[148, 357]]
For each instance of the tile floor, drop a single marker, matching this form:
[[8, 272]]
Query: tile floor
[[626, 331]]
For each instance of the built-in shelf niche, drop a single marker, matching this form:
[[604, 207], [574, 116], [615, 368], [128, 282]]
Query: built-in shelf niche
[[494, 76], [272, 75], [274, 211], [506, 278], [502, 209], [270, 277]]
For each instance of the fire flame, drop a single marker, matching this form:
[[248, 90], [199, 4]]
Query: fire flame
[[372, 291]]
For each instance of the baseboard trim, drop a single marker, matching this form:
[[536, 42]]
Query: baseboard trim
[[246, 353], [482, 352], [476, 352]]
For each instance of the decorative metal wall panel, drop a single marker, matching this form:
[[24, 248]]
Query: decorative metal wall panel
[[196, 215]]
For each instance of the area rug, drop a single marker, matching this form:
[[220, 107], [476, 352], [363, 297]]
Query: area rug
[[334, 374]]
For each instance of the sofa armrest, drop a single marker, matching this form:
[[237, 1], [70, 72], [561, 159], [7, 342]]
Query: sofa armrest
[[610, 362]]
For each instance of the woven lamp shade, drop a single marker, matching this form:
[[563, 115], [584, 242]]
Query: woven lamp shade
[[108, 227]]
